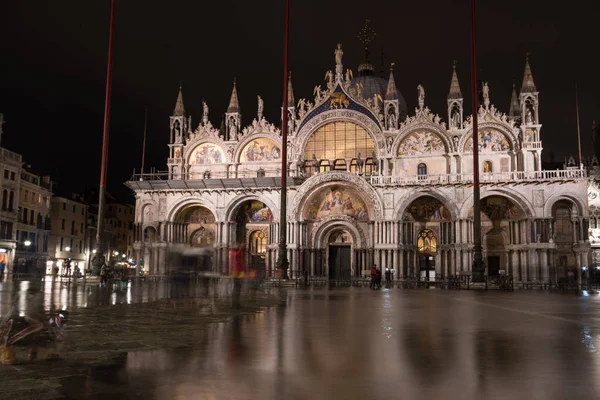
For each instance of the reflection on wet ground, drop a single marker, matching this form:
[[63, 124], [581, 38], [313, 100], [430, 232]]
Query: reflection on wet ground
[[350, 343]]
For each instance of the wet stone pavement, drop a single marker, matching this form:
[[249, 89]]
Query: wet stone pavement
[[163, 341]]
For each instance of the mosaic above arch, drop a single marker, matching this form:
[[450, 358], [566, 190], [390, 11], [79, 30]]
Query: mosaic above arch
[[201, 225], [206, 154], [261, 149], [497, 208], [421, 143], [337, 200], [426, 209], [254, 211], [490, 140]]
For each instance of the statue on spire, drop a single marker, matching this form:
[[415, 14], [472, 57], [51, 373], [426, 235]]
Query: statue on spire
[[421, 96], [486, 94], [338, 54], [261, 106], [204, 111]]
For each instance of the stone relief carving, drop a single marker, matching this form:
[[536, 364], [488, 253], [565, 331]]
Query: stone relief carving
[[538, 198]]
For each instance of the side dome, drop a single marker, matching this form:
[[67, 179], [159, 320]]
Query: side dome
[[373, 85]]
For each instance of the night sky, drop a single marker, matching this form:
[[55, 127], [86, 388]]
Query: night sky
[[53, 67]]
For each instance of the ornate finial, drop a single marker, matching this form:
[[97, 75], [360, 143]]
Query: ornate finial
[[392, 66], [527, 56], [180, 85], [454, 64], [366, 36]]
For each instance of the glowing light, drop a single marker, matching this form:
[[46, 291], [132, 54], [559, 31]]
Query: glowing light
[[27, 243], [123, 255], [94, 251], [67, 248], [2, 250]]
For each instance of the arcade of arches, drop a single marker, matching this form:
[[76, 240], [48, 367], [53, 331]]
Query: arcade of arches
[[338, 237]]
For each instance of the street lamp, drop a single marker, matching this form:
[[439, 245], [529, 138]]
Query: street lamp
[[27, 243], [94, 251], [67, 248], [123, 255]]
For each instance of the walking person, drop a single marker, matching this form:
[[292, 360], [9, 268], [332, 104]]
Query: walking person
[[2, 266], [373, 276], [238, 271], [378, 279], [388, 278]]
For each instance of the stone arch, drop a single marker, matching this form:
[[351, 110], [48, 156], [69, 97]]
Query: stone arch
[[345, 115], [316, 182], [237, 156], [408, 130], [188, 201], [510, 194], [573, 198], [324, 230], [232, 208], [144, 208], [150, 234], [446, 201], [499, 127]]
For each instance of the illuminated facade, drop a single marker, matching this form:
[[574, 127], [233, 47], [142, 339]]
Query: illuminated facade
[[68, 235], [33, 226], [10, 177], [369, 183]]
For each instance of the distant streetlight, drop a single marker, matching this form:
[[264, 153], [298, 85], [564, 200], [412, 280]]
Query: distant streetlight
[[67, 248], [94, 251], [27, 243], [124, 255], [116, 253]]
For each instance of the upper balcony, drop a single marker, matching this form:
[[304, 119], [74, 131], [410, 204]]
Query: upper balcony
[[249, 179]]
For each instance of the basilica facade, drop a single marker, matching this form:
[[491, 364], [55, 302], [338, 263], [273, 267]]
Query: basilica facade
[[368, 183]]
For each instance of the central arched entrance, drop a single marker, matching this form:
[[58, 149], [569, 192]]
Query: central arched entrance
[[340, 254], [193, 236], [253, 226]]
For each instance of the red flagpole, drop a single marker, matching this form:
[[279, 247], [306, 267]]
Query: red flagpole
[[282, 260], [104, 164]]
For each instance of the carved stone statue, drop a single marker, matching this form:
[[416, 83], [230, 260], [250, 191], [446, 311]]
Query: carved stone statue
[[338, 54], [455, 141], [261, 106], [392, 120], [456, 119], [421, 96], [348, 75], [204, 110], [529, 116], [485, 90], [359, 163]]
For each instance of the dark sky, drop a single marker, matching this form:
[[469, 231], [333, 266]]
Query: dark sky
[[53, 66]]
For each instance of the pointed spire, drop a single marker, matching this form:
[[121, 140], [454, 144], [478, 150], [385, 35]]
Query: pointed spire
[[392, 91], [455, 92], [290, 99], [528, 85], [515, 108], [179, 109], [234, 105]]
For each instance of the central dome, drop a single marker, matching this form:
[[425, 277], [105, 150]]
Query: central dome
[[373, 85]]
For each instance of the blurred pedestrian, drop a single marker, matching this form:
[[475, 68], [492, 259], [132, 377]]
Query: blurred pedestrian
[[378, 278], [388, 277], [373, 277], [2, 266], [238, 272]]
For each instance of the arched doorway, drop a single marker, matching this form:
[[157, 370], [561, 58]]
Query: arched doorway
[[340, 255], [565, 260], [193, 234], [253, 221], [427, 248], [426, 228], [497, 213]]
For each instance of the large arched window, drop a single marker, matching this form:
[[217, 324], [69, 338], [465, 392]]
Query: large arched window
[[258, 242], [339, 140]]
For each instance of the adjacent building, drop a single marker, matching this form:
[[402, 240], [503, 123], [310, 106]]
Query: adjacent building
[[33, 224], [68, 235], [370, 182], [10, 177]]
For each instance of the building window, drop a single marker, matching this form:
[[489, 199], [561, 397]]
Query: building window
[[5, 199], [32, 217], [422, 169], [62, 225], [487, 167], [64, 206], [11, 201], [26, 196], [12, 176], [80, 246], [61, 244], [258, 242], [427, 242], [339, 140], [25, 213], [6, 173], [72, 227], [81, 228], [33, 197]]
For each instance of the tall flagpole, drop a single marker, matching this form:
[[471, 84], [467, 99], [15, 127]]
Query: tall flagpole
[[282, 260], [144, 142], [578, 129], [104, 165], [478, 267]]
